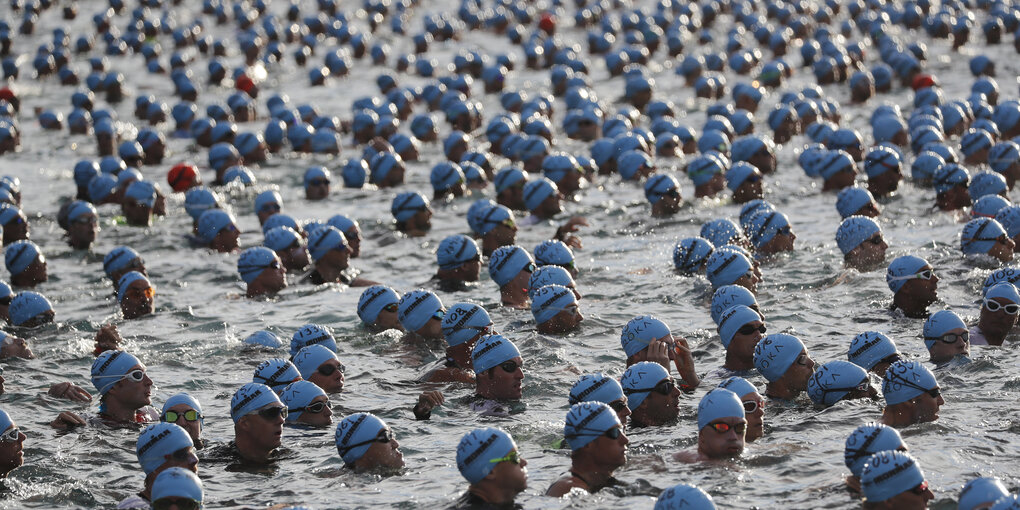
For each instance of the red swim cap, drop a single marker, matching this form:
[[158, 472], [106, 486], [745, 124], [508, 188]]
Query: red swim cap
[[183, 177]]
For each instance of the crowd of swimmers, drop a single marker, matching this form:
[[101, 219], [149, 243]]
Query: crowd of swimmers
[[964, 149]]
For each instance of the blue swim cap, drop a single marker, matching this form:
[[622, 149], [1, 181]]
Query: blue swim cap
[[942, 321], [158, 441], [478, 450], [764, 226], [905, 380], [834, 380], [725, 267], [1006, 274], [1008, 502], [20, 254], [354, 173], [746, 147], [985, 184], [867, 349], [177, 482], [979, 235], [535, 192], [324, 240], [264, 338], [126, 280], [373, 300], [595, 388], [85, 171], [142, 192], [739, 172], [506, 262], [549, 275], [298, 394], [276, 373], [553, 253], [719, 403], [733, 319], [489, 218], [280, 220], [251, 397], [867, 440], [1003, 290], [684, 497], [253, 261], [464, 321], [851, 199], [550, 300], [417, 307], [586, 422], [948, 176], [702, 168], [640, 331], [639, 380], [903, 269], [660, 185], [109, 368], [211, 222], [280, 238], [720, 231], [118, 259], [1003, 155], [981, 491], [221, 155], [492, 350], [879, 160], [27, 305], [100, 187], [690, 254], [889, 473], [989, 206], [629, 163], [407, 204], [738, 385], [836, 161], [265, 200], [355, 435], [855, 230], [311, 334], [455, 251], [198, 200], [775, 353], [316, 172]]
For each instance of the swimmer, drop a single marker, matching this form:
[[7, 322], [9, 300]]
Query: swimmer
[[663, 192], [721, 428], [873, 351], [912, 395], [652, 396], [413, 214], [986, 236], [690, 255], [861, 242], [267, 203], [82, 224], [320, 366], [855, 201], [12, 445], [740, 329], [26, 264], [982, 492], [30, 309], [378, 307], [555, 309], [999, 310], [511, 268], [946, 336], [421, 313], [754, 406], [317, 181], [135, 294], [601, 388], [745, 181], [177, 488], [497, 227], [366, 443], [307, 403], [894, 480], [276, 373], [725, 267], [496, 472], [682, 495], [258, 416], [14, 347], [770, 233], [184, 411], [138, 202], [160, 447], [217, 230], [598, 447], [838, 380], [865, 441], [262, 271], [289, 246], [914, 285], [951, 183], [331, 257], [124, 390], [646, 338], [463, 325], [459, 260], [784, 361]]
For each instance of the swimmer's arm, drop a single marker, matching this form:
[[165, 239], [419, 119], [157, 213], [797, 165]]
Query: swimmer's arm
[[572, 225], [70, 391], [563, 487], [685, 364], [107, 339], [67, 420], [361, 282], [426, 401]]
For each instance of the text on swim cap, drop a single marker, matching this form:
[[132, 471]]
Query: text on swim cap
[[153, 440]]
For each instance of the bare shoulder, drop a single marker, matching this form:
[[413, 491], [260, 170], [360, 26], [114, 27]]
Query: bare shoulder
[[564, 485]]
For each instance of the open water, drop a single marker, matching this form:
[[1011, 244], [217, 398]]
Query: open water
[[193, 342]]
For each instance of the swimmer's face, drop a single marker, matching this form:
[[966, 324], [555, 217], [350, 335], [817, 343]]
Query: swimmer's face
[[611, 452], [662, 408], [12, 453], [274, 279], [130, 393], [755, 419], [226, 239], [1002, 249], [501, 384], [332, 383], [721, 445], [138, 299], [353, 235], [800, 371], [265, 433], [194, 428], [83, 230], [926, 407], [741, 345], [921, 290], [320, 419], [385, 455], [869, 252], [14, 347], [433, 329], [942, 351], [388, 320], [512, 477]]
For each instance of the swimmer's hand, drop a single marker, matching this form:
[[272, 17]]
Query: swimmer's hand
[[67, 420], [70, 391], [107, 339], [572, 225], [656, 352], [685, 364], [426, 401]]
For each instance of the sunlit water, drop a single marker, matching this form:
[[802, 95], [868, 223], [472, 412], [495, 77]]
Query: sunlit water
[[193, 342]]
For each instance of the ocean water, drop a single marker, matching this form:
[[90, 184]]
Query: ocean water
[[193, 341]]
